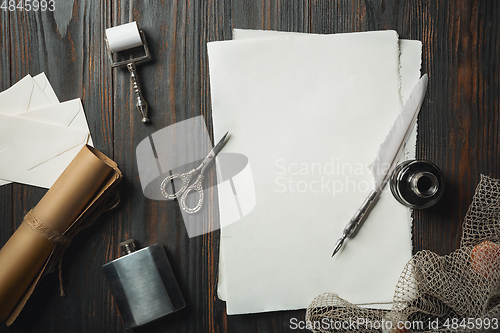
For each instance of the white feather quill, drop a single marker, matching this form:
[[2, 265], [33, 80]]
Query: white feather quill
[[388, 156], [390, 150]]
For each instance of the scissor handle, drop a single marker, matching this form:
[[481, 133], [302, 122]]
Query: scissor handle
[[185, 177], [195, 187]]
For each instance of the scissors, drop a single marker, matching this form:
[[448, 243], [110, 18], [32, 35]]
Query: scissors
[[186, 179]]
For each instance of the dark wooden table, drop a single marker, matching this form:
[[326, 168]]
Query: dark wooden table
[[458, 130]]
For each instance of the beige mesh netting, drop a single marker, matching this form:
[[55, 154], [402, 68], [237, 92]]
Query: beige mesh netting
[[459, 292]]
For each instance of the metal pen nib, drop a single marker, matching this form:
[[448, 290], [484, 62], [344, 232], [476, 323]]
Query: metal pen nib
[[339, 244], [355, 222]]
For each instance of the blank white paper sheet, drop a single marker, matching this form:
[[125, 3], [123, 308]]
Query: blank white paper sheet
[[310, 114]]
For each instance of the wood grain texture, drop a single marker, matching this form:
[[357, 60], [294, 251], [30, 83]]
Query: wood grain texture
[[458, 130]]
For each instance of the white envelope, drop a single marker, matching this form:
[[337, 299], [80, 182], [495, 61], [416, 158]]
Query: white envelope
[[42, 81], [23, 96], [67, 117], [35, 142], [33, 98]]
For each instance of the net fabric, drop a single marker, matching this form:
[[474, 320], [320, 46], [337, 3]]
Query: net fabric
[[459, 292]]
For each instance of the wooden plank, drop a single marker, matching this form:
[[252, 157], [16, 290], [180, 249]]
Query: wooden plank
[[459, 120], [458, 130], [175, 84]]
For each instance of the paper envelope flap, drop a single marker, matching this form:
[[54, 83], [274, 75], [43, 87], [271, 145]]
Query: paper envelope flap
[[61, 114], [69, 114], [16, 99], [43, 175], [35, 143], [43, 82], [23, 96]]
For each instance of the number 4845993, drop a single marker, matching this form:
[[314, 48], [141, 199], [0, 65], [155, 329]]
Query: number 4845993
[[28, 5], [471, 323]]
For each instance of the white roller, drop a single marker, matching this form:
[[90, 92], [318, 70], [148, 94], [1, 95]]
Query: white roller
[[123, 37]]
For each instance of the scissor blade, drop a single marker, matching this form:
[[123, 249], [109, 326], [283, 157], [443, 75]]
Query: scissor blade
[[218, 147], [222, 142]]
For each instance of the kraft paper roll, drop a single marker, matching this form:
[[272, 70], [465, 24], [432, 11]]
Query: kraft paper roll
[[84, 184], [123, 37]]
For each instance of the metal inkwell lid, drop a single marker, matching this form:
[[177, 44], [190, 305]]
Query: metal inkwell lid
[[417, 184], [143, 285]]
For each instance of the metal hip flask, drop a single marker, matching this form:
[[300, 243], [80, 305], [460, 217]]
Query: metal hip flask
[[143, 284]]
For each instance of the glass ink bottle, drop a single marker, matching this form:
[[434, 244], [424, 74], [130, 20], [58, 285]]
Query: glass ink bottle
[[417, 184]]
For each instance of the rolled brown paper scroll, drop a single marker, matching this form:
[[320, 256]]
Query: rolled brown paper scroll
[[82, 187]]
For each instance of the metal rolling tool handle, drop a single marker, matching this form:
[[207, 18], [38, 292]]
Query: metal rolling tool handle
[[141, 104]]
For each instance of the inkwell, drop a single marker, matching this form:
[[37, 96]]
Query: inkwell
[[417, 184]]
